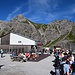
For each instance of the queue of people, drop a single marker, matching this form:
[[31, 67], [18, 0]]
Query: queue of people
[[64, 62]]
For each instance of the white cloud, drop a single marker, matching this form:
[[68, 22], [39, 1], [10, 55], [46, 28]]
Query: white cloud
[[73, 10], [36, 18], [29, 9], [37, 10], [50, 17], [41, 8], [12, 13]]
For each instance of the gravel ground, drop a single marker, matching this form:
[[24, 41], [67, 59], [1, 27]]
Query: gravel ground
[[42, 67]]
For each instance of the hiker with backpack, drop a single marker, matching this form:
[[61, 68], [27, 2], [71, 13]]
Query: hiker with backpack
[[64, 68], [73, 67], [69, 62], [57, 64]]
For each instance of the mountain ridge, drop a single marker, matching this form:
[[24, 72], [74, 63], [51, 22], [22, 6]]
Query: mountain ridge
[[48, 34]]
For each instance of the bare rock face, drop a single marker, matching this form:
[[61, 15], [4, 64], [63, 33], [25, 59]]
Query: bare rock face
[[19, 18], [41, 32], [19, 25], [58, 28], [51, 33], [73, 29]]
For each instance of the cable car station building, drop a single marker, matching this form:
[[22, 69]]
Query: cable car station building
[[12, 42]]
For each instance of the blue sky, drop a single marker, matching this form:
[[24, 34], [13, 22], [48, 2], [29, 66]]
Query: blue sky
[[38, 11]]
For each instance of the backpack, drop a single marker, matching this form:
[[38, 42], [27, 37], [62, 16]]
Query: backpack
[[57, 61], [62, 69]]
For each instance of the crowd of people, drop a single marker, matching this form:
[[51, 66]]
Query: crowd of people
[[25, 56], [64, 62]]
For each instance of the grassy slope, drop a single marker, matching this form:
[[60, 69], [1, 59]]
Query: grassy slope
[[49, 44]]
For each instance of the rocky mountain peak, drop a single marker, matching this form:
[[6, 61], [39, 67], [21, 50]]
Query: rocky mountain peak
[[19, 18], [61, 21]]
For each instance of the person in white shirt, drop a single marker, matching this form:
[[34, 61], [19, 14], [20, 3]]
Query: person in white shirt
[[1, 53]]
